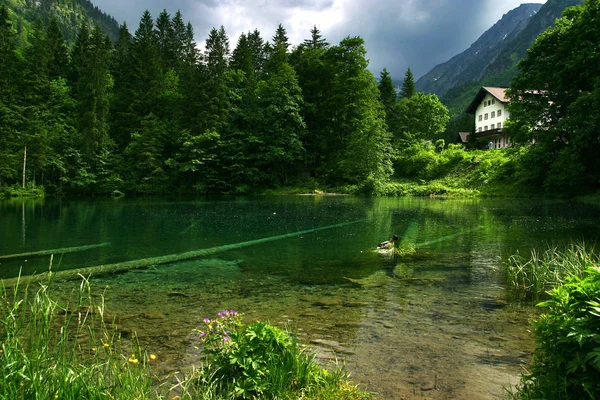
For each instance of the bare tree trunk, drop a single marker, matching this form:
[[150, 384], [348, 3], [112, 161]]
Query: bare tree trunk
[[24, 163]]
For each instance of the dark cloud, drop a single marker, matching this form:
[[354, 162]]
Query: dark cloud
[[398, 33]]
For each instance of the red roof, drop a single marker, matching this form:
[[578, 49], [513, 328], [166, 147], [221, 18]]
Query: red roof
[[498, 92]]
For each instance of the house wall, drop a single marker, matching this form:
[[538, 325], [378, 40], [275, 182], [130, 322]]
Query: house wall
[[483, 109]]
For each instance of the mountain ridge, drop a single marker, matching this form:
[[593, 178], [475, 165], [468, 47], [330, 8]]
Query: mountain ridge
[[471, 64]]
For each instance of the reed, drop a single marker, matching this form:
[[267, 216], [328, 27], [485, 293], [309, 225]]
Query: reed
[[532, 278]]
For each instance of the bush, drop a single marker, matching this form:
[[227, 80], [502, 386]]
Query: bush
[[260, 360], [567, 356]]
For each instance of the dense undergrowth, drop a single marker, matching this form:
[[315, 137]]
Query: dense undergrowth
[[67, 351], [566, 362]]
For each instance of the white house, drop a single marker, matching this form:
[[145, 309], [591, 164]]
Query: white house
[[490, 109]]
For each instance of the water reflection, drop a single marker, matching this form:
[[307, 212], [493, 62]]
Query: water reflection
[[432, 323]]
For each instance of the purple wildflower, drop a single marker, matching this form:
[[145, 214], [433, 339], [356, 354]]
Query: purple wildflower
[[226, 339], [202, 334], [206, 320]]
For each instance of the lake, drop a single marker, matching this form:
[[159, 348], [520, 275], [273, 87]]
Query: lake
[[434, 323]]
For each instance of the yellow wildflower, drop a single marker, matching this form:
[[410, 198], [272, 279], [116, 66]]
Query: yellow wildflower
[[133, 359], [106, 345], [153, 357]]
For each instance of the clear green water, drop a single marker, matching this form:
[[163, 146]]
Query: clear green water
[[432, 324]]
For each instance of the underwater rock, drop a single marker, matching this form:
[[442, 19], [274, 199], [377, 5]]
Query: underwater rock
[[153, 315], [178, 294], [491, 304], [354, 303], [326, 303], [335, 346]]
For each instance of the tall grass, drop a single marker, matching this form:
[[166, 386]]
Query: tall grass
[[532, 278], [53, 352]]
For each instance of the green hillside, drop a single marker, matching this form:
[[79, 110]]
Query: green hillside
[[504, 67], [71, 14]]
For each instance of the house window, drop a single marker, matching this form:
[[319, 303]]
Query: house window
[[486, 116], [499, 112], [485, 128], [499, 125], [497, 143], [493, 101], [480, 118], [485, 103], [493, 126], [479, 129], [493, 114]]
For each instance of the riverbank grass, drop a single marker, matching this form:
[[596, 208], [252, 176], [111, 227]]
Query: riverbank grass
[[532, 278], [53, 352]]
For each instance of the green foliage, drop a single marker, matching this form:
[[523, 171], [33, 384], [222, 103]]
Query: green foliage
[[556, 100], [422, 116], [567, 357]]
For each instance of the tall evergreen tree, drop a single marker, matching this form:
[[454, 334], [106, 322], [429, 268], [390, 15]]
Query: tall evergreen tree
[[57, 52], [124, 120], [358, 142], [408, 85], [316, 40], [93, 92], [278, 50], [11, 78]]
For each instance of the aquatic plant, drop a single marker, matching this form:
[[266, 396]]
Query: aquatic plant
[[567, 357], [261, 360], [532, 278]]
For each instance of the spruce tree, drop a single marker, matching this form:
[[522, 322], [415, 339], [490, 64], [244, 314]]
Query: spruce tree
[[408, 85], [388, 96]]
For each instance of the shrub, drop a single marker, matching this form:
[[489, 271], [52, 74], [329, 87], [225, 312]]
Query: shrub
[[567, 356], [261, 360]]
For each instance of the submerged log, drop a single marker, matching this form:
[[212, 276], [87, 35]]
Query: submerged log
[[54, 251], [147, 262]]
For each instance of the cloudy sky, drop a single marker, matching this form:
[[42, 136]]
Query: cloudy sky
[[398, 33]]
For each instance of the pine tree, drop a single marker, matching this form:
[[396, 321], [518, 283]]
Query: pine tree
[[358, 143], [11, 78], [57, 52], [316, 40], [124, 120], [92, 95], [278, 50], [408, 85], [388, 96]]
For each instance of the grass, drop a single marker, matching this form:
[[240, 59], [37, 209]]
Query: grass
[[53, 351], [532, 278]]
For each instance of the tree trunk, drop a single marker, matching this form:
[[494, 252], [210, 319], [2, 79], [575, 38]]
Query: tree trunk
[[24, 164]]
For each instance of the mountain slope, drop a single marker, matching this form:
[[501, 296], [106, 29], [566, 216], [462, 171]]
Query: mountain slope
[[69, 13], [471, 64], [502, 68], [516, 48]]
